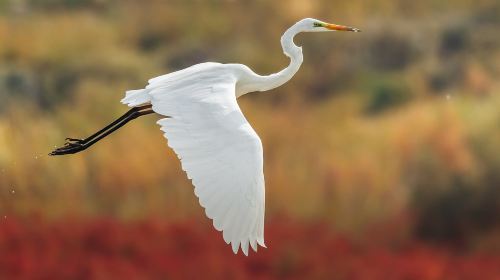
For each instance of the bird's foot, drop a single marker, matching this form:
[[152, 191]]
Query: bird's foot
[[71, 147], [73, 141]]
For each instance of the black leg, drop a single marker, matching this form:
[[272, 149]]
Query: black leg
[[77, 145], [127, 114], [117, 126]]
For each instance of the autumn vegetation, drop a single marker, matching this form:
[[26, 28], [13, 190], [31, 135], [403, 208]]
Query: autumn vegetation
[[381, 156]]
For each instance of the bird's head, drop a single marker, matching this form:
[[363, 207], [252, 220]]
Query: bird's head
[[314, 25]]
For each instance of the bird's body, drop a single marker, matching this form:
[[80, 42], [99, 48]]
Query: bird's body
[[217, 147]]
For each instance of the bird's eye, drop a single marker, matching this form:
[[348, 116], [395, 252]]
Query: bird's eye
[[317, 24]]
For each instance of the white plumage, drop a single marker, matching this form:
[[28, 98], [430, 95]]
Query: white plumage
[[217, 147]]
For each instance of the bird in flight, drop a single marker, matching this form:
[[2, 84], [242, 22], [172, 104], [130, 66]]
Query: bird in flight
[[218, 149]]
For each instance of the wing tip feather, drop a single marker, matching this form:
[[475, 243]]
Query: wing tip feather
[[245, 245], [235, 246]]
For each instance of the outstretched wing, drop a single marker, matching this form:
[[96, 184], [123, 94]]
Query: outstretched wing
[[218, 149]]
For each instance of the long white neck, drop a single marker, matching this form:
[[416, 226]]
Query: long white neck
[[293, 52]]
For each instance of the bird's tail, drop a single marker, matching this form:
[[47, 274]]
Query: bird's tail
[[134, 98]]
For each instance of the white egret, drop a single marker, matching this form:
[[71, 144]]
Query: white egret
[[217, 147]]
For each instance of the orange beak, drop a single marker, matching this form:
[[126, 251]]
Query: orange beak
[[336, 27]]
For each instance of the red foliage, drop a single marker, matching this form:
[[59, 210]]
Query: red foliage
[[107, 249]]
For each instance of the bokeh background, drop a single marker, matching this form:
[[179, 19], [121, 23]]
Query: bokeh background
[[382, 155]]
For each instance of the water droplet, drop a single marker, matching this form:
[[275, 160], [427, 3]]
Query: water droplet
[[13, 191], [36, 157], [448, 97]]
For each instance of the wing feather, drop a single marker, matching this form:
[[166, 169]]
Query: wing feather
[[218, 149]]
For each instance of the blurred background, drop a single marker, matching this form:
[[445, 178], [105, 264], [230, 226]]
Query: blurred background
[[381, 155]]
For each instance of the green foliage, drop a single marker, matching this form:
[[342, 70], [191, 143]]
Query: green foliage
[[387, 94]]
